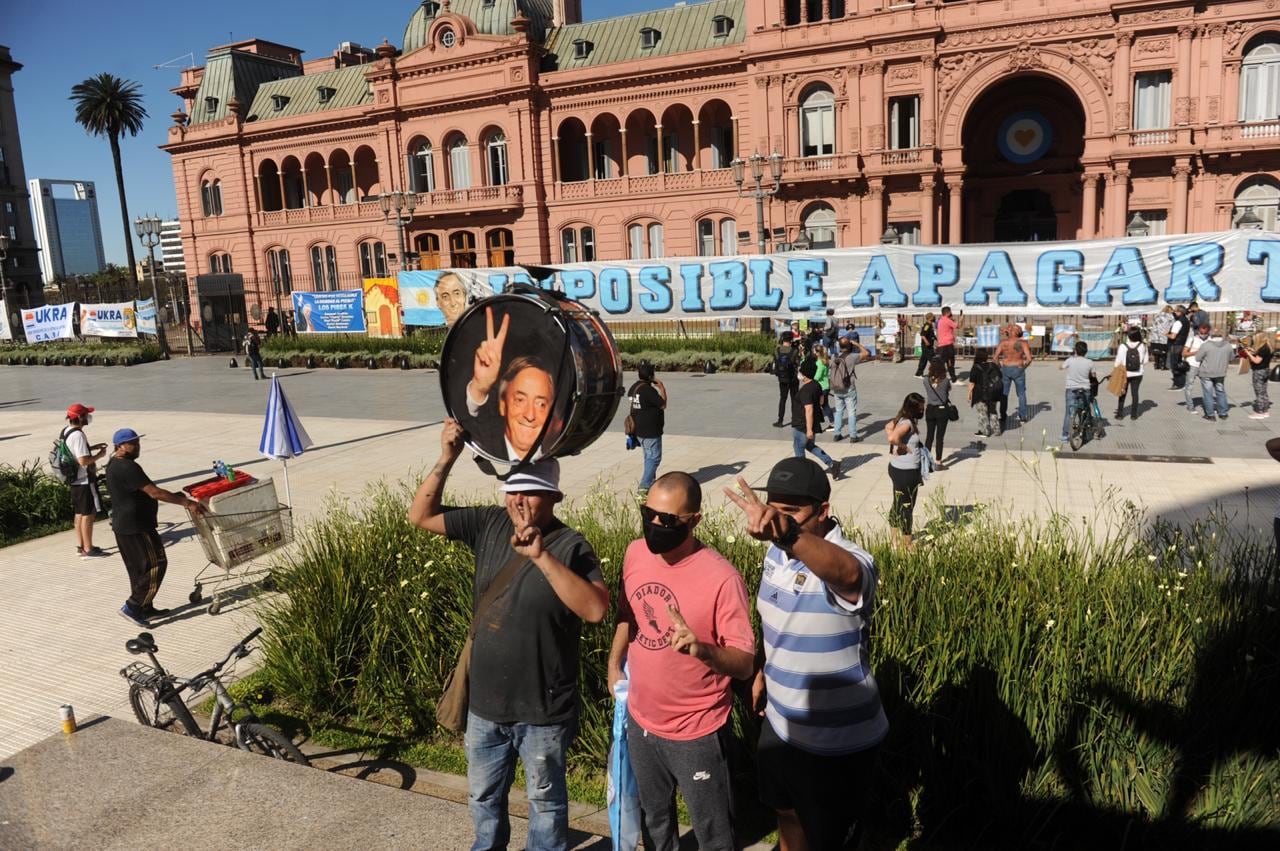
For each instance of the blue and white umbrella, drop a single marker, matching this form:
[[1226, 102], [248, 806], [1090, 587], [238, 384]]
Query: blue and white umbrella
[[283, 436]]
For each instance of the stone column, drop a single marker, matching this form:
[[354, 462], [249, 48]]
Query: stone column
[[1181, 171], [1182, 79], [875, 211], [328, 182], [1117, 203], [1121, 82], [955, 197], [874, 76], [1089, 213], [927, 209], [284, 203], [697, 145], [625, 154], [591, 163], [555, 159], [928, 101]]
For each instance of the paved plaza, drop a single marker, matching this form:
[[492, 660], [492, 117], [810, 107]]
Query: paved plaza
[[61, 639]]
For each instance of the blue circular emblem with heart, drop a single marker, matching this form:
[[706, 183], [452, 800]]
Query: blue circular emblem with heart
[[1024, 137]]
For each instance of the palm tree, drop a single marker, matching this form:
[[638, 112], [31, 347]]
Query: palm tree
[[109, 106]]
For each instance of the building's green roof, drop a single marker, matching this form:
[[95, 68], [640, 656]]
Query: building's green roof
[[490, 18], [350, 88], [229, 72], [682, 29]]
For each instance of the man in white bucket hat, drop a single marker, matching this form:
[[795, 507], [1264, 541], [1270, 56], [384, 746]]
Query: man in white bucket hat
[[523, 698]]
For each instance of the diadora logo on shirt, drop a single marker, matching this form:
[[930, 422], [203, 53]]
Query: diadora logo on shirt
[[649, 605]]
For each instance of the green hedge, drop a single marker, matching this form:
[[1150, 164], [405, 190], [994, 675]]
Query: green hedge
[[421, 343], [1045, 688], [729, 344], [79, 354], [32, 503]]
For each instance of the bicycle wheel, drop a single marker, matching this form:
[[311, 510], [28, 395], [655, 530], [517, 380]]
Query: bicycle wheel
[[151, 712], [261, 739], [1077, 430]]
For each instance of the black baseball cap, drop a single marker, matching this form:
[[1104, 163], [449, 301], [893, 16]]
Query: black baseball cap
[[799, 477]]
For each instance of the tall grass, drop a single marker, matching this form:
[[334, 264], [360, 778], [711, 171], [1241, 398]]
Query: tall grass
[[1040, 682], [32, 503], [421, 343], [760, 344]]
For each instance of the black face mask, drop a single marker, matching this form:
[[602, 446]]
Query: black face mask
[[664, 539]]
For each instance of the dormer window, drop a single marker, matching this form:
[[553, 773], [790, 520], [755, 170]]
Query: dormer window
[[431, 8], [720, 26], [488, 4], [278, 102], [210, 104], [649, 38], [581, 48], [325, 93]]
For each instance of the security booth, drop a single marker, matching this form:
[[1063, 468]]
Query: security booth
[[222, 314]]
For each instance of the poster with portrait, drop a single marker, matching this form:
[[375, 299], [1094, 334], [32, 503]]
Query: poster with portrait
[[439, 297], [508, 378], [1064, 339], [338, 312]]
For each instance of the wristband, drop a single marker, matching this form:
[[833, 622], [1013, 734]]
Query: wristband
[[788, 538]]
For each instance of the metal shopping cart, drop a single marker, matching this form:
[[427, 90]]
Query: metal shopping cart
[[243, 521]]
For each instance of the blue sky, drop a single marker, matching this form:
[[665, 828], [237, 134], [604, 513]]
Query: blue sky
[[60, 43]]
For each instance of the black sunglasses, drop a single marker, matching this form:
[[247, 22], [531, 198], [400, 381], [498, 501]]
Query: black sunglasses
[[663, 518]]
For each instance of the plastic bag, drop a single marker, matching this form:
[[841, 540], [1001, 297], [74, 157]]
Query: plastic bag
[[622, 793]]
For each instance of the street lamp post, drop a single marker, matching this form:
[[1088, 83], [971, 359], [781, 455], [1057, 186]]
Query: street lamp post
[[399, 205], [148, 230], [759, 192], [4, 261]]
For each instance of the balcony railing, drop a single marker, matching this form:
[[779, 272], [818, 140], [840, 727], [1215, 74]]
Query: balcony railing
[[334, 213], [429, 203], [904, 156], [1142, 138], [819, 168], [1259, 129], [639, 184]]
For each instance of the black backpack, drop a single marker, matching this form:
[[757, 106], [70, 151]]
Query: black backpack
[[993, 382], [1132, 359], [784, 363], [64, 465]]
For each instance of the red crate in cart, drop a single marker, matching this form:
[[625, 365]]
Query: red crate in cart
[[206, 488]]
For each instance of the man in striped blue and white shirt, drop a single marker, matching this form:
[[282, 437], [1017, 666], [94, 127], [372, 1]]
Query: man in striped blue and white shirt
[[823, 718]]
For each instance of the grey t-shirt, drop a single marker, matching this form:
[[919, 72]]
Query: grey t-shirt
[[524, 669], [939, 395], [1078, 370], [1215, 355]]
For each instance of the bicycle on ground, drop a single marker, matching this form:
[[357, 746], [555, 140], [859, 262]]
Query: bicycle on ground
[[1086, 419], [156, 697]]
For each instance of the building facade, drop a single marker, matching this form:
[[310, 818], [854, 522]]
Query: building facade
[[21, 258], [68, 232], [171, 258], [528, 136]]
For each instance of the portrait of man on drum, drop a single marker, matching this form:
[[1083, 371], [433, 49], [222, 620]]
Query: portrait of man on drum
[[510, 394]]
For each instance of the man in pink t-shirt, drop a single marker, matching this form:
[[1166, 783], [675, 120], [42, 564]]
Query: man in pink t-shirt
[[947, 341], [684, 633]]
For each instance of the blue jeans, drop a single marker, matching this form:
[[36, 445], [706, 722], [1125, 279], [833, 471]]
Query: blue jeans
[[1215, 396], [1017, 376], [491, 768], [652, 448], [846, 408], [1075, 400], [799, 443]]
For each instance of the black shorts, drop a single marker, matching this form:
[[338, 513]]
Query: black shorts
[[828, 793], [84, 499]]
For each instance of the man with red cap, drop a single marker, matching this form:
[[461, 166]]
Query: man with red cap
[[85, 500]]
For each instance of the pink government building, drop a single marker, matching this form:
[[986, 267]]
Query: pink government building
[[529, 136]]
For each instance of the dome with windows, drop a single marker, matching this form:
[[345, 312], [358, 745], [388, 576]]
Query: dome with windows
[[491, 17]]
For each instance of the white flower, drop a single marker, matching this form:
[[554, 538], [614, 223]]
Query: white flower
[[1050, 623], [404, 582], [413, 611], [731, 539], [1182, 573], [604, 560], [423, 595], [428, 564], [1088, 613], [1198, 620], [1151, 558]]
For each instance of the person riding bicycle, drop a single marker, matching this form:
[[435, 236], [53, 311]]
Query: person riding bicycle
[[1081, 378]]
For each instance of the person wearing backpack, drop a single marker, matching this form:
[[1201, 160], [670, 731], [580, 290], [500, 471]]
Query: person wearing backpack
[[1132, 354], [85, 500], [985, 392], [844, 388], [786, 365], [253, 351], [648, 398]]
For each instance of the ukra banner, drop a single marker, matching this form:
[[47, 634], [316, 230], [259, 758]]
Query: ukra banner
[[108, 320], [1233, 270], [146, 316], [50, 322]]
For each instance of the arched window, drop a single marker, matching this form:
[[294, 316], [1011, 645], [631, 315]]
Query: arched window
[[496, 150], [728, 237], [819, 225], [459, 164], [422, 173], [569, 245], [462, 250], [211, 197], [220, 263], [706, 238], [645, 241], [1260, 81], [587, 237], [501, 249], [656, 248], [709, 230], [324, 267], [428, 247], [373, 260], [1260, 196], [281, 274], [818, 123]]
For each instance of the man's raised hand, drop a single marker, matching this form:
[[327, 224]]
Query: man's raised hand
[[488, 361], [451, 438], [527, 540], [764, 522]]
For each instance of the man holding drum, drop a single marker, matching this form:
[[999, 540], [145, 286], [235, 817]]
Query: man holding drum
[[523, 698]]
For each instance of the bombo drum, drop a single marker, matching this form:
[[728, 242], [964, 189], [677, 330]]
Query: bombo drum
[[530, 374]]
